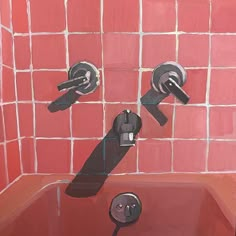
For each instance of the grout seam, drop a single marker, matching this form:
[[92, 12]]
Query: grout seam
[[102, 69], [70, 109], [5, 145], [174, 104], [32, 88], [16, 92], [143, 69], [140, 72], [139, 139], [137, 33], [208, 89]]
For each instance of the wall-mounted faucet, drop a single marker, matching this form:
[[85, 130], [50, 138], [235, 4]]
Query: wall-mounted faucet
[[83, 79], [127, 125], [167, 78]]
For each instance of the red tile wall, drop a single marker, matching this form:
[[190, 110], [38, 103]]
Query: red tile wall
[[10, 141], [125, 40]]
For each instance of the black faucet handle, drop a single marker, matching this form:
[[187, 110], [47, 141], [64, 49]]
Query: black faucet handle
[[83, 80], [169, 78], [176, 90]]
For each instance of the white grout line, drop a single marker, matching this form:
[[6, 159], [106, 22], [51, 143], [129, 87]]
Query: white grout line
[[32, 88], [7, 29], [143, 69], [128, 103], [10, 184], [70, 109], [135, 173], [140, 72], [6, 66], [138, 139], [208, 89], [144, 33], [174, 104], [5, 145], [16, 92], [102, 71]]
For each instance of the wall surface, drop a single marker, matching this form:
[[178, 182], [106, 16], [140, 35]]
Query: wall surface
[[10, 155], [125, 40]]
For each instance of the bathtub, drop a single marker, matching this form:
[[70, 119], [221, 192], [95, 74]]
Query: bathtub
[[172, 205]]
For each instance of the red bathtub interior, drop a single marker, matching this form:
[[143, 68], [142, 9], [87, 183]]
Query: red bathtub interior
[[169, 208]]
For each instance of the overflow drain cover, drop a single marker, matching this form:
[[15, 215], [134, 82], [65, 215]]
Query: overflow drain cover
[[125, 208]]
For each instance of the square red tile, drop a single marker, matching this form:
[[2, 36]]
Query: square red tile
[[128, 164], [25, 119], [159, 16], [2, 139], [48, 52], [195, 85], [7, 49], [97, 95], [47, 16], [193, 50], [223, 48], [223, 14], [20, 16], [27, 155], [146, 86], [189, 156], [5, 13], [121, 51], [87, 120], [13, 160], [24, 87], [222, 122], [189, 18], [88, 11], [222, 156], [82, 150], [121, 86], [222, 91], [121, 16], [158, 49], [52, 124], [3, 171], [9, 112], [190, 122], [151, 128], [113, 110], [85, 47], [45, 84], [8, 85], [22, 47], [154, 156], [53, 156]]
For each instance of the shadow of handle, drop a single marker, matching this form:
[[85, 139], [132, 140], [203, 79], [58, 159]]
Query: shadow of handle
[[64, 102], [151, 101]]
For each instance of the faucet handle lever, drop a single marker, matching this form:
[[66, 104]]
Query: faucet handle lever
[[75, 82], [176, 90]]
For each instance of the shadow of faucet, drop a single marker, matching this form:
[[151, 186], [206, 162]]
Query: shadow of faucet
[[64, 101], [104, 158]]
